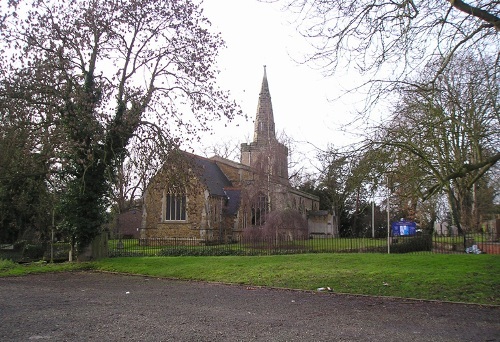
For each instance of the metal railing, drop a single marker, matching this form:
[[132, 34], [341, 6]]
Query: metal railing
[[421, 243]]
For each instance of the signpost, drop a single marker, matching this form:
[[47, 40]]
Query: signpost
[[404, 228]]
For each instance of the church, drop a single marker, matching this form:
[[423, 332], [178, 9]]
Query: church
[[216, 199]]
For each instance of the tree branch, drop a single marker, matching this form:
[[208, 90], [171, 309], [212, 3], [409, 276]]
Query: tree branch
[[490, 18]]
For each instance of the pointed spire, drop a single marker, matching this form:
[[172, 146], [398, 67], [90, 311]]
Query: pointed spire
[[265, 86], [264, 121]]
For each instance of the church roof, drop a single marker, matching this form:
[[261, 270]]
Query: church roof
[[233, 200], [211, 175]]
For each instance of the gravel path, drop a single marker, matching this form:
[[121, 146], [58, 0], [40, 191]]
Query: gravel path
[[86, 306]]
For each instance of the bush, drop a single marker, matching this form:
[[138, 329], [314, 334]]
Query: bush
[[61, 251], [284, 225], [412, 244], [19, 245], [6, 264], [185, 251], [34, 251], [119, 253]]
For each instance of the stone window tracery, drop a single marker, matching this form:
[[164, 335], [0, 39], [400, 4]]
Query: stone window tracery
[[175, 207]]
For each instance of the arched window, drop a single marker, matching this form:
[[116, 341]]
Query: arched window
[[175, 207], [259, 210]]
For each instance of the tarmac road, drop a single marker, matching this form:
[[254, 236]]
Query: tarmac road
[[87, 306]]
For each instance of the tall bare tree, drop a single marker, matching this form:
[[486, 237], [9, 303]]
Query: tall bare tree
[[372, 34], [105, 73], [391, 43], [447, 138]]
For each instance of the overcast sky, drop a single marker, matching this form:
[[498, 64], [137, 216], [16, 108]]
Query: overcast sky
[[259, 34]]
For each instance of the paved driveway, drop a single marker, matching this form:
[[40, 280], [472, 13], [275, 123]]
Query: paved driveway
[[90, 306]]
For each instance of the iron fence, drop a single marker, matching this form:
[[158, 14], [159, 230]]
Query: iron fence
[[421, 243], [30, 251]]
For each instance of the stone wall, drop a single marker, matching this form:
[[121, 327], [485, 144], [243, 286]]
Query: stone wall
[[264, 157], [154, 224], [204, 219]]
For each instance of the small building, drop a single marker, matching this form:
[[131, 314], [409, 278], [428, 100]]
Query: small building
[[128, 224], [322, 224]]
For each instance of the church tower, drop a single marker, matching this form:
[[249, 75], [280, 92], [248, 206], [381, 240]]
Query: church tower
[[266, 154]]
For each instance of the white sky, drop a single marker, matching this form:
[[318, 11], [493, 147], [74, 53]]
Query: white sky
[[258, 34]]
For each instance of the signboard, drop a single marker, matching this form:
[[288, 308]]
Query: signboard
[[404, 228]]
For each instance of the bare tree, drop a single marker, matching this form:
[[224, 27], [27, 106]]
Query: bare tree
[[371, 34], [225, 149], [105, 74], [393, 43], [446, 139]]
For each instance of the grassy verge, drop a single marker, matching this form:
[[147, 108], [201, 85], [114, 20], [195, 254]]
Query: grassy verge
[[10, 268], [459, 278]]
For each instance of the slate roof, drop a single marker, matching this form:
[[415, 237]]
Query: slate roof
[[233, 200], [210, 174]]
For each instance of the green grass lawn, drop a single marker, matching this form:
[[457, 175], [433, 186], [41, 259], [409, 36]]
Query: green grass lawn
[[458, 278], [10, 268], [132, 247], [467, 278]]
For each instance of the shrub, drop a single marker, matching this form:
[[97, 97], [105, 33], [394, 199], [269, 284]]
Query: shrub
[[33, 251], [412, 244], [185, 251], [6, 264], [61, 251], [19, 245], [284, 225], [120, 253]]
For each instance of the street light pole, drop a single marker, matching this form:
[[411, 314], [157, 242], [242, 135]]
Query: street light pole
[[388, 217], [373, 219]]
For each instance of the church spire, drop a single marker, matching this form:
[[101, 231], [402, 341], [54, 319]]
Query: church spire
[[264, 121], [266, 154]]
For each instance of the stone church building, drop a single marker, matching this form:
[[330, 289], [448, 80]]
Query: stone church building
[[216, 199]]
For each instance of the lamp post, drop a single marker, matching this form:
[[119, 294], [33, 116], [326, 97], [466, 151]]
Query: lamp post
[[373, 219], [388, 217], [52, 238]]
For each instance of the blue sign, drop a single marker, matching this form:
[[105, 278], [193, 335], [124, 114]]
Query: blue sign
[[404, 228]]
